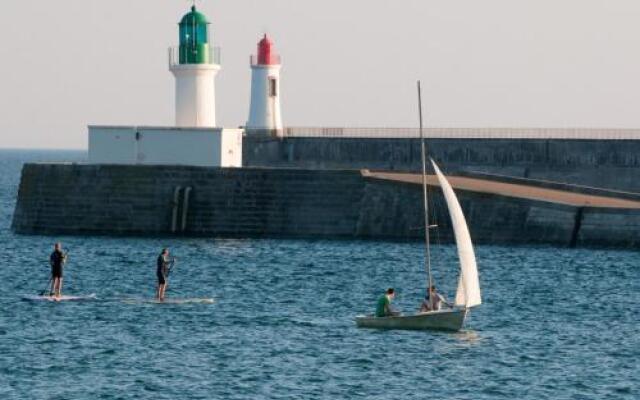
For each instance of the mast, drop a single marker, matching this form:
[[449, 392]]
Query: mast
[[425, 200]]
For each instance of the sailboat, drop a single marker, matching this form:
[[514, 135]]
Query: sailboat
[[468, 291]]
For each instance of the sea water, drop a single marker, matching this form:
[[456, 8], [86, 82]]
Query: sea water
[[555, 323]]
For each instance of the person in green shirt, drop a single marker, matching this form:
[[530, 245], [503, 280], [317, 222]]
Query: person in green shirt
[[383, 308]]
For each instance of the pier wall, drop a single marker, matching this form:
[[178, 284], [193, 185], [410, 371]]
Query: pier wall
[[112, 199], [603, 163], [249, 202]]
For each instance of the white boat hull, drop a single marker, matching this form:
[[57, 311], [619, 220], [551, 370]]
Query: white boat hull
[[448, 320]]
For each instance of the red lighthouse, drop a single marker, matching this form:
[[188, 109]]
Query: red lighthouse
[[264, 112]]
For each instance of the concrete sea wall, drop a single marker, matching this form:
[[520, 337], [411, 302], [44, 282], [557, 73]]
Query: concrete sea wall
[[612, 164], [55, 198], [132, 200]]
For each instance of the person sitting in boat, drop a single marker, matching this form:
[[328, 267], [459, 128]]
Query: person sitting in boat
[[426, 304], [383, 308], [438, 300]]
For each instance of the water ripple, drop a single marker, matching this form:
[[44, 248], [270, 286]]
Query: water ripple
[[555, 323]]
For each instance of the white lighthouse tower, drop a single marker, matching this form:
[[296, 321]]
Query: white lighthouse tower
[[195, 140], [264, 112], [195, 65]]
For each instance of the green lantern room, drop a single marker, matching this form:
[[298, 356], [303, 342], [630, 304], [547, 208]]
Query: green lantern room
[[195, 39]]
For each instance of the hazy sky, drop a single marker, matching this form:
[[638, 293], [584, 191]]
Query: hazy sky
[[554, 63]]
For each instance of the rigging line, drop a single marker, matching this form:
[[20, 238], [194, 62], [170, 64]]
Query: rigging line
[[434, 218], [425, 199]]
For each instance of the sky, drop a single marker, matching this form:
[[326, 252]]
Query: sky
[[66, 64]]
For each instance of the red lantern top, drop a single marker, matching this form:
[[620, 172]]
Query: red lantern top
[[266, 52]]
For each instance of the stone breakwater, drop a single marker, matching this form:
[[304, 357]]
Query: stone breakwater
[[250, 202], [602, 163]]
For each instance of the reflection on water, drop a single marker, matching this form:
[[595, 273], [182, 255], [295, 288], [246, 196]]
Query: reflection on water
[[467, 338]]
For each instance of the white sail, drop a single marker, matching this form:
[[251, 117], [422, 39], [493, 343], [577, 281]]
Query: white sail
[[468, 293]]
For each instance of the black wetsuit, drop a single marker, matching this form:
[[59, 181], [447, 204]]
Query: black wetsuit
[[57, 261], [162, 269]]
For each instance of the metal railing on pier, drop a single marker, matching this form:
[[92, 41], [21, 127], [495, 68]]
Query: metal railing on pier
[[466, 133]]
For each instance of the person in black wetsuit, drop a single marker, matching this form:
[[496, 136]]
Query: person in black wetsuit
[[162, 272], [57, 261]]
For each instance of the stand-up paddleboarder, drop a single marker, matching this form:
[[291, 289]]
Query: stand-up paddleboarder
[[57, 261], [163, 265]]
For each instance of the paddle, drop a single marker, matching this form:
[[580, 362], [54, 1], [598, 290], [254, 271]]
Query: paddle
[[173, 263], [48, 287]]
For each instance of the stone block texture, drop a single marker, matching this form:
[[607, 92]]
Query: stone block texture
[[609, 164], [273, 202]]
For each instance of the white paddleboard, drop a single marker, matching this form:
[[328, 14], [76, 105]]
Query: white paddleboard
[[61, 298], [171, 301]]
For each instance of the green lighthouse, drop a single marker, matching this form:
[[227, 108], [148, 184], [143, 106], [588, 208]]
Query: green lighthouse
[[195, 64], [194, 39]]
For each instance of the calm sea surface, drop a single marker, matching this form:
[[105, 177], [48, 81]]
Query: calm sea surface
[[555, 323]]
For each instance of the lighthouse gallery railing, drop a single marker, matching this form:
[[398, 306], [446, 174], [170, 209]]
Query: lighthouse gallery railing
[[214, 56]]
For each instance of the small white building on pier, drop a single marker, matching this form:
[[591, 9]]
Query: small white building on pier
[[196, 139], [144, 145]]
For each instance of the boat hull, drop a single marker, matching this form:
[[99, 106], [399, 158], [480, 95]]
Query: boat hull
[[446, 320]]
